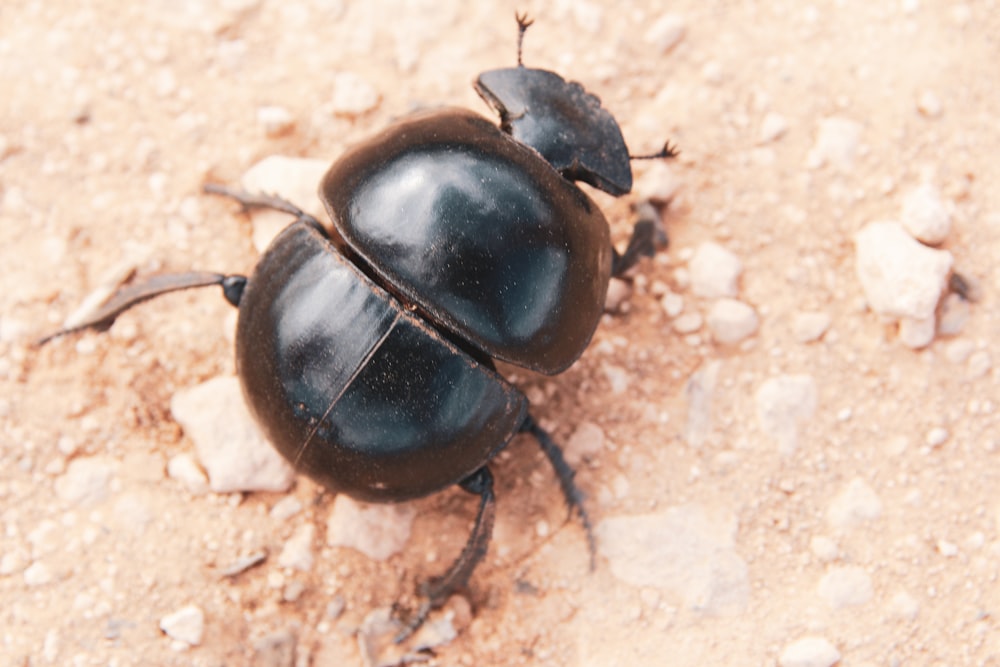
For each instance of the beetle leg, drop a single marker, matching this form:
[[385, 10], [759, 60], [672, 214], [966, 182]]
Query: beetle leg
[[574, 496], [250, 201], [132, 294], [437, 591], [647, 235]]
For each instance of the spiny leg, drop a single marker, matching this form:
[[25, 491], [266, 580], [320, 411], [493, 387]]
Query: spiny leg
[[251, 201], [437, 591], [134, 293], [647, 235], [571, 492], [523, 23]]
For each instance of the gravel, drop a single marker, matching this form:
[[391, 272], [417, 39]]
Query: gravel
[[785, 402], [845, 586], [228, 441], [376, 530], [856, 504], [186, 625], [732, 321], [809, 652], [714, 271], [925, 215]]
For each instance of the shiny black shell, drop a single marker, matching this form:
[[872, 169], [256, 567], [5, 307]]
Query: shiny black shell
[[355, 390], [479, 232]]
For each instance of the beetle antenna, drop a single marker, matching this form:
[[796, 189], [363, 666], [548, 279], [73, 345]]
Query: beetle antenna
[[664, 153], [523, 23]]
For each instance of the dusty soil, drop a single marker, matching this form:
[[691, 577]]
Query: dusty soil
[[114, 116]]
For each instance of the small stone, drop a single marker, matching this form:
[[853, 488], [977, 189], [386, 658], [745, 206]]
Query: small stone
[[684, 549], [352, 95], [714, 271], [947, 549], [925, 215], [292, 591], [929, 104], [836, 144], [699, 391], [673, 304], [276, 121], [904, 606], [86, 481], [275, 650], [228, 441], [688, 323], [845, 586], [783, 403], [585, 444], [810, 326], [37, 574], [773, 127], [900, 276], [917, 334], [297, 551], [732, 321], [618, 293], [936, 437], [979, 364], [376, 530], [824, 548], [953, 315], [666, 32], [186, 470], [286, 508], [809, 652], [187, 624], [958, 351], [658, 184], [856, 504], [244, 563]]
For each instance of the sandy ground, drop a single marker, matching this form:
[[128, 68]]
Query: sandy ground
[[115, 114]]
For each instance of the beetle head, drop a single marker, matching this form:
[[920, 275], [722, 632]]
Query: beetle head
[[563, 122]]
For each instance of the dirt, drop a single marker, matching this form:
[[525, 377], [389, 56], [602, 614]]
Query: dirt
[[116, 114]]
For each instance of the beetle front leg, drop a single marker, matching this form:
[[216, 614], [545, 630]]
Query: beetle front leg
[[251, 201], [437, 591], [571, 492]]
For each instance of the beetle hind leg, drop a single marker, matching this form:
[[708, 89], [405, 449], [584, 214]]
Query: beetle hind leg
[[648, 235], [571, 492], [437, 591]]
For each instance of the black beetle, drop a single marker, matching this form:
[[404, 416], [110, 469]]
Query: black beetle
[[366, 351]]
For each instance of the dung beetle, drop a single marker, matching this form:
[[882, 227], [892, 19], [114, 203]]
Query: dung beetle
[[366, 351]]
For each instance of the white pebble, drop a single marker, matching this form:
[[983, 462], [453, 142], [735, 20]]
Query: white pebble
[[783, 403], [352, 95], [286, 508], [953, 316], [276, 121], [585, 444], [925, 214], [666, 32], [929, 104], [904, 606], [617, 296], [376, 530], [732, 321], [958, 351], [688, 323], [773, 127], [186, 470], [297, 552], [37, 574], [809, 652], [228, 441], [845, 586], [856, 504], [824, 548], [947, 549], [810, 326], [836, 144], [917, 333], [714, 271], [672, 303], [936, 437], [86, 481], [187, 624], [684, 549], [658, 183], [900, 276]]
